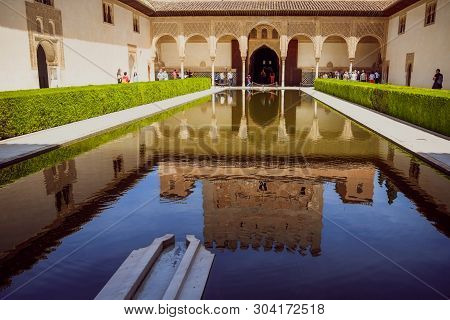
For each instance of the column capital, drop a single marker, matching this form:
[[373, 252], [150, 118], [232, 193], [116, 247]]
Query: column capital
[[317, 60]]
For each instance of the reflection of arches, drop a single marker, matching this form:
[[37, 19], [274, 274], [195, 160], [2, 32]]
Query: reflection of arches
[[264, 59], [263, 109], [42, 67]]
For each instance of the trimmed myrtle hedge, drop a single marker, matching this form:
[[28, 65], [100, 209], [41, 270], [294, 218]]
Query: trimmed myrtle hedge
[[426, 108], [27, 111]]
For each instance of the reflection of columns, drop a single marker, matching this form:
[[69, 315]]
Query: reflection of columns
[[347, 133], [351, 65], [152, 69], [243, 71], [213, 132], [184, 131], [212, 71], [243, 125], [283, 70], [317, 68], [182, 67], [282, 132]]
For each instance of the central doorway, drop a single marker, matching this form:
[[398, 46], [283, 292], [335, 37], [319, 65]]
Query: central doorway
[[264, 62]]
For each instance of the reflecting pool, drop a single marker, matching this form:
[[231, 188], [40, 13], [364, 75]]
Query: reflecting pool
[[295, 200]]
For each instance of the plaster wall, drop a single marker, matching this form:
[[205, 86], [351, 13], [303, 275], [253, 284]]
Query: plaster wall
[[430, 45]]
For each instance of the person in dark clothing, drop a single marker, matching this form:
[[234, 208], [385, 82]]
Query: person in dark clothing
[[438, 80]]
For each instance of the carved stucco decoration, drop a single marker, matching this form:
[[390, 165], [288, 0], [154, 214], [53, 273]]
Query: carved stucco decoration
[[336, 28], [306, 28], [192, 28], [165, 28], [370, 28], [227, 28]]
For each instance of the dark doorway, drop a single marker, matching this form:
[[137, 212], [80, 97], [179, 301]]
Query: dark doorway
[[408, 75], [264, 62], [42, 67]]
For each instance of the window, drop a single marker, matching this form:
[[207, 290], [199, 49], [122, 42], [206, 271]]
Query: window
[[51, 27], [274, 34], [136, 27], [402, 24], [39, 25], [253, 34], [108, 14], [264, 33], [430, 13], [47, 2]]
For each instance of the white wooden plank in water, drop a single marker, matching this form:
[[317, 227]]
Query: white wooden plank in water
[[127, 279]]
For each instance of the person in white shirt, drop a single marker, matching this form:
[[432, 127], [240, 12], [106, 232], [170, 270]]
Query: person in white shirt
[[222, 78], [230, 78]]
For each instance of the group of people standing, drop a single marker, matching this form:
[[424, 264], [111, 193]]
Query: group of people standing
[[125, 78], [355, 75], [224, 78], [164, 75]]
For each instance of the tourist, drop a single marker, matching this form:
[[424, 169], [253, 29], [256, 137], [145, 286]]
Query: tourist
[[135, 77], [372, 77], [263, 76], [377, 77], [438, 79], [125, 78], [337, 75], [325, 76], [119, 76], [216, 78], [174, 74], [345, 76], [230, 78], [272, 78], [249, 80], [353, 76], [160, 75], [363, 76]]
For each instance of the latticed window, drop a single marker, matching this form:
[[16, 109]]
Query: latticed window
[[47, 2], [136, 27], [108, 14], [430, 13], [253, 34], [402, 24]]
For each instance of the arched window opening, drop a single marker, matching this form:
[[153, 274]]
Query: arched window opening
[[275, 34], [52, 27], [253, 34], [39, 26], [264, 33]]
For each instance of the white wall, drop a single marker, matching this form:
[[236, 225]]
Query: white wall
[[430, 45], [14, 52], [196, 52], [93, 50]]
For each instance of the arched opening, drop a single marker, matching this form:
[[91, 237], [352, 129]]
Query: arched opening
[[197, 57], [42, 67], [227, 44], [300, 61], [264, 66], [166, 54], [368, 54], [408, 74], [334, 51]]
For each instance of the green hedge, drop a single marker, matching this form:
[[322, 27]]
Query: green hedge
[[27, 111], [426, 108]]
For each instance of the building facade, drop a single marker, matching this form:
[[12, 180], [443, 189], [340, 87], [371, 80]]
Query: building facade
[[53, 43]]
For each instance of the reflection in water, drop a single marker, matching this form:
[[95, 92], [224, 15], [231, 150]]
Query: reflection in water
[[263, 173]]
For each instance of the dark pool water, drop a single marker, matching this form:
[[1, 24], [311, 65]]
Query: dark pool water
[[295, 200]]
